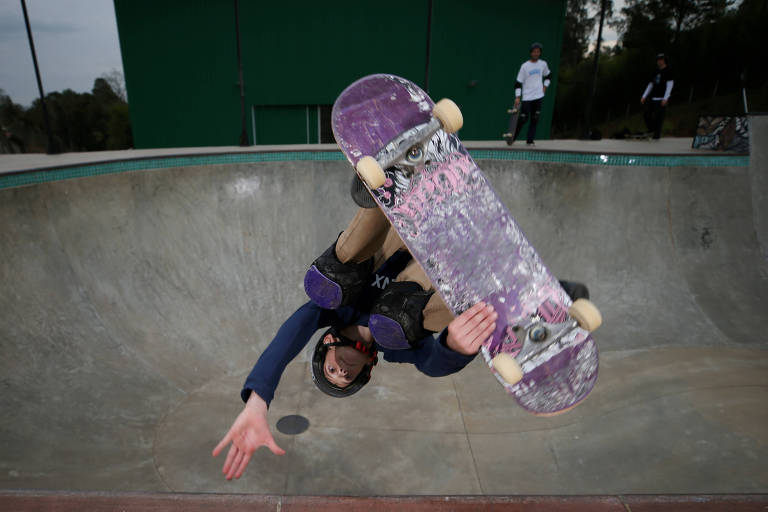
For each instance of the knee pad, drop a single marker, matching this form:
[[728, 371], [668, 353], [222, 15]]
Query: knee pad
[[329, 283], [397, 318]]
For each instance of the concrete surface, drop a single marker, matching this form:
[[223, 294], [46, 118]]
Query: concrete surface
[[132, 306], [758, 131]]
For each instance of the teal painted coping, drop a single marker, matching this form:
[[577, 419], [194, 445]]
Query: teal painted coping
[[96, 169]]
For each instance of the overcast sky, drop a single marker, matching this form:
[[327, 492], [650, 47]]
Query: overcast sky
[[76, 42]]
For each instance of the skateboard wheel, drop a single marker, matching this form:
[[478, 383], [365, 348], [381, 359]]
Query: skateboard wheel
[[371, 172], [508, 368], [449, 115], [586, 314]]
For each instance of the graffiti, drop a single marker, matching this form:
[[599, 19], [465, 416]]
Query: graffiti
[[722, 133]]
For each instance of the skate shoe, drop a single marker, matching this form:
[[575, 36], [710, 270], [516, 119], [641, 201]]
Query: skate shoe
[[360, 194], [575, 290]]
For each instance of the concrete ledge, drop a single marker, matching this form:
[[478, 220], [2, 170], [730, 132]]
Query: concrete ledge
[[20, 170], [23, 501], [12, 163]]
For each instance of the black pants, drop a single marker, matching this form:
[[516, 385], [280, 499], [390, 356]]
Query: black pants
[[532, 110], [654, 117]]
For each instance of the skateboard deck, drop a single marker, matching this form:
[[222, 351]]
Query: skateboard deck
[[514, 115], [470, 247]]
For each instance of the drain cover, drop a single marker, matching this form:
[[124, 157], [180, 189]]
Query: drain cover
[[292, 424]]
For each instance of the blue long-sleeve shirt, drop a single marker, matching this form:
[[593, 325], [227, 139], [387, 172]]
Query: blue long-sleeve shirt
[[430, 355]]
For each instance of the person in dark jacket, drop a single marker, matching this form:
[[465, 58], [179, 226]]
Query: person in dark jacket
[[656, 96]]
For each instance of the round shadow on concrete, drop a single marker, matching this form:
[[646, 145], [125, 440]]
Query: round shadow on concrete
[[292, 424]]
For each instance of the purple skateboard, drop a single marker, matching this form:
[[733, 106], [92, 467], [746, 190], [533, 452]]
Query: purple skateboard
[[470, 247]]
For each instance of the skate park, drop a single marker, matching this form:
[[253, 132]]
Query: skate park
[[140, 288]]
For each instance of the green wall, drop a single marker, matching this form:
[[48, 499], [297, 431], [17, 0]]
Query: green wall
[[477, 50], [180, 66], [180, 62]]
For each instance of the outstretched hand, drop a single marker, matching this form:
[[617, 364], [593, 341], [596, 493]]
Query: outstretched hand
[[468, 331], [249, 431]]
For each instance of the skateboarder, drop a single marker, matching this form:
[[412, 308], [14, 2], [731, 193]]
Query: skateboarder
[[658, 89], [344, 357], [531, 85]]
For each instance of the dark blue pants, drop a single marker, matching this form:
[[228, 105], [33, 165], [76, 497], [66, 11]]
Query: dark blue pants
[[654, 116]]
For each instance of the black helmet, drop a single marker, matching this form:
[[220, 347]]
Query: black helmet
[[534, 46], [318, 361]]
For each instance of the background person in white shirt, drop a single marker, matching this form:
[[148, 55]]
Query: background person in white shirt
[[531, 85], [659, 89]]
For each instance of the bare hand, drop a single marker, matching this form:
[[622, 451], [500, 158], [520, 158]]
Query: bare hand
[[468, 331], [517, 102], [642, 100], [663, 103], [249, 431]]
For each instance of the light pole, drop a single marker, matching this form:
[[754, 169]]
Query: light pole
[[587, 132], [52, 148]]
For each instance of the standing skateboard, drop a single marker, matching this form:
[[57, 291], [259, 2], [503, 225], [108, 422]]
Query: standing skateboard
[[402, 146], [514, 115]]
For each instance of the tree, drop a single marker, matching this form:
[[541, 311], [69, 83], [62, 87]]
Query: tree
[[715, 47], [574, 77], [689, 14], [116, 82], [579, 24], [92, 121], [10, 113], [661, 21], [11, 116]]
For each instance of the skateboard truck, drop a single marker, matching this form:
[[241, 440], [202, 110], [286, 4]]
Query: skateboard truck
[[540, 335], [409, 149]]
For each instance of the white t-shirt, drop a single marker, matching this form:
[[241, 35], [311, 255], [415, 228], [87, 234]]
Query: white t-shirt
[[532, 75]]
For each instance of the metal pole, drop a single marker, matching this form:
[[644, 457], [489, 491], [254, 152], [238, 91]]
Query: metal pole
[[243, 131], [52, 149], [744, 90], [744, 96], [586, 132]]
